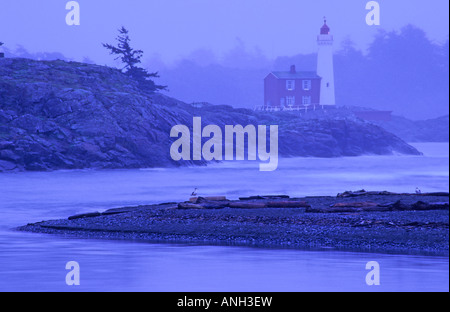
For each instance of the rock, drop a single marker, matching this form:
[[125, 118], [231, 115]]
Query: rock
[[7, 165], [9, 155], [6, 145], [56, 107], [97, 117], [432, 130]]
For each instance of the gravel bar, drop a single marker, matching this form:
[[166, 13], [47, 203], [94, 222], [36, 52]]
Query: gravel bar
[[380, 222]]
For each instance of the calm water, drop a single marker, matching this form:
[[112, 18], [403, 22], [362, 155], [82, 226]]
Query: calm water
[[34, 262]]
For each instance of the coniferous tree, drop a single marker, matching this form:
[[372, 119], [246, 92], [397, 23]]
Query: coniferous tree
[[131, 58]]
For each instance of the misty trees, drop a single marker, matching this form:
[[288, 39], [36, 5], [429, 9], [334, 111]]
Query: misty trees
[[403, 71], [131, 58], [412, 70]]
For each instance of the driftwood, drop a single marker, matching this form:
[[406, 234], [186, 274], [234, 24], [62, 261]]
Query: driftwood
[[284, 201], [247, 205], [288, 204], [420, 205], [264, 197], [355, 205], [85, 215], [207, 198], [369, 206], [364, 193], [189, 206], [251, 202]]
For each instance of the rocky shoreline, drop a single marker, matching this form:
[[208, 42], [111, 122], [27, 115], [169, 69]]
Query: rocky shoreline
[[67, 115], [358, 221]]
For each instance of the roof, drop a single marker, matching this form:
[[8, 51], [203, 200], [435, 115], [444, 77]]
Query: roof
[[325, 30], [296, 75]]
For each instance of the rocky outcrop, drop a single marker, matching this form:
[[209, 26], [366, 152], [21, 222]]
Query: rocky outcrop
[[67, 115], [430, 130]]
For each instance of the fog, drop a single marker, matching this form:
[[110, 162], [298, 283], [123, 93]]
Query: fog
[[220, 51], [402, 71]]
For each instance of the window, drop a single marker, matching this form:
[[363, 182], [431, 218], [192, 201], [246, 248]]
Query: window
[[306, 85], [306, 100], [290, 100], [290, 85]]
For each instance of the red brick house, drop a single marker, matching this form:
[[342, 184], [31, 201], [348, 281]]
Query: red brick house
[[291, 90]]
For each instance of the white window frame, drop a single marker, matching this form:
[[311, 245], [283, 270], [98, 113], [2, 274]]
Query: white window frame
[[290, 85], [290, 100], [306, 84], [306, 100]]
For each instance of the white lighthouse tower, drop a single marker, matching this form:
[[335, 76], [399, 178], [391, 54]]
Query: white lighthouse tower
[[325, 66]]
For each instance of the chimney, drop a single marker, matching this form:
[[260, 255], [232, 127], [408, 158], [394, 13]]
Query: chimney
[[293, 69]]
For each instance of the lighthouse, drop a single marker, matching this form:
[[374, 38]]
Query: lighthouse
[[325, 66]]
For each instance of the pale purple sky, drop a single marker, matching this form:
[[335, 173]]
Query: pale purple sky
[[173, 29]]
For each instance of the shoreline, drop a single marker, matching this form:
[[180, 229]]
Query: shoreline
[[380, 222]]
